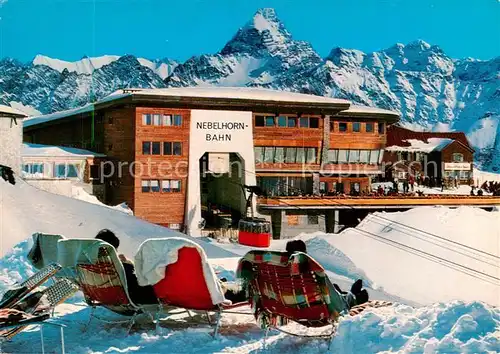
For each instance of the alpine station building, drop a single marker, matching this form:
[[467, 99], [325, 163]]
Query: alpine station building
[[191, 150]]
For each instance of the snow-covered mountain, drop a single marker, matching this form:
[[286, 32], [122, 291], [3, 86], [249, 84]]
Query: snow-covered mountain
[[430, 89]]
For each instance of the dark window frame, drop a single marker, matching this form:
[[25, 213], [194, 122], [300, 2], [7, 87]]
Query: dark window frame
[[343, 124]]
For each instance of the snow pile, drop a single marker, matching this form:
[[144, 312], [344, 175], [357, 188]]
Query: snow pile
[[481, 176], [25, 210], [80, 194], [39, 150], [432, 144], [455, 256]]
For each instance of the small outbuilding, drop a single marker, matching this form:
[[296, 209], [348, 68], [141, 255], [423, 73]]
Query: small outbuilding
[[11, 137]]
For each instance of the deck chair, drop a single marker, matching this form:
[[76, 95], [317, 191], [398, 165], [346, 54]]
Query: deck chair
[[14, 321], [181, 276], [11, 297], [294, 288], [44, 250], [100, 276]]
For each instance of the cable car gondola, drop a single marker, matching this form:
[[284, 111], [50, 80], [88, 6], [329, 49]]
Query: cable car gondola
[[253, 231]]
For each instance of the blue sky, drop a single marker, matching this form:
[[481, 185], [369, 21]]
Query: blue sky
[[70, 29]]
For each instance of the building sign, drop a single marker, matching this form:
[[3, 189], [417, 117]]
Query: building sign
[[219, 131], [457, 166]]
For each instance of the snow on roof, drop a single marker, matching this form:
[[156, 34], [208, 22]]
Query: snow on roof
[[432, 144], [244, 93], [356, 109], [11, 111], [58, 115], [38, 150]]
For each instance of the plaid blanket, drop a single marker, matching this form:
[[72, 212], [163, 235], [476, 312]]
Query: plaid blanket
[[297, 282]]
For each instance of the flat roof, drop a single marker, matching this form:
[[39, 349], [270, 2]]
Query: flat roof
[[39, 150], [365, 111], [257, 100], [7, 111]]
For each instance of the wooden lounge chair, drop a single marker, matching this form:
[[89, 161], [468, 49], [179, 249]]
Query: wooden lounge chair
[[294, 288], [182, 277], [11, 297], [14, 321]]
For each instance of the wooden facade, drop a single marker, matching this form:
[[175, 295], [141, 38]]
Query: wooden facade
[[122, 135]]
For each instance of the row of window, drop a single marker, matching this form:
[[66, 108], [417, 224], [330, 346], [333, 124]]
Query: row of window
[[166, 185], [166, 120], [313, 122], [272, 154], [286, 122], [59, 170], [155, 148], [357, 127], [355, 156]]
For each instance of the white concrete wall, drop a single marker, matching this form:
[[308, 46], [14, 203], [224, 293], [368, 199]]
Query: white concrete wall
[[216, 131], [11, 138]]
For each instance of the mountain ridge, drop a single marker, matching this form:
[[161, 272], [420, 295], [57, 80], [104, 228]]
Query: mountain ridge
[[431, 90]]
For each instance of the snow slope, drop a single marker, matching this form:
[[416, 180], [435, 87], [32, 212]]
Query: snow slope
[[458, 323], [415, 276], [25, 210], [453, 327]]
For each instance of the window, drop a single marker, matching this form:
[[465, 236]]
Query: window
[[167, 120], [312, 219], [356, 127], [381, 128], [259, 121], [282, 121], [304, 122], [165, 186], [145, 186], [259, 154], [157, 119], [171, 185], [301, 156], [353, 156], [381, 156], [313, 122], [72, 171], [322, 187], [333, 156], [458, 157], [364, 156], [269, 121], [279, 155], [177, 149], [167, 148], [369, 127], [311, 155], [177, 120], [146, 148], [33, 168], [342, 127], [146, 119], [355, 187], [269, 154], [374, 157], [290, 155], [292, 122], [176, 185], [464, 174], [339, 187], [343, 156], [155, 185], [156, 148], [66, 171]]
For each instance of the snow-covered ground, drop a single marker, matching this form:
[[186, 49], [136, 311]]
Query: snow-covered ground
[[436, 309]]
